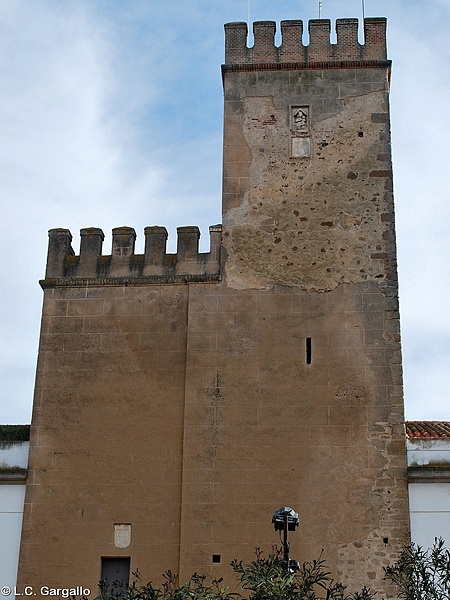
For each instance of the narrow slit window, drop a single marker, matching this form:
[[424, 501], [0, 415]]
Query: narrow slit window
[[308, 350]]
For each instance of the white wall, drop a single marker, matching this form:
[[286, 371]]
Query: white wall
[[429, 500], [14, 454], [428, 452], [429, 505], [13, 458], [11, 510]]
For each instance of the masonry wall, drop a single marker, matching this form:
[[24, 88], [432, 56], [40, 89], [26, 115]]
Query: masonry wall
[[308, 219], [193, 395], [107, 432], [265, 429]]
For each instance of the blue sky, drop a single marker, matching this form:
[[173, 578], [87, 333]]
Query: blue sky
[[112, 115]]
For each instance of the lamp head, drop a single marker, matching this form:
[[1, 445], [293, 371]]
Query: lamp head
[[280, 515]]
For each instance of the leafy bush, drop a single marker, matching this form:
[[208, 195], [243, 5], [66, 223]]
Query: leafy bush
[[195, 589], [269, 579], [422, 574], [263, 579], [418, 574]]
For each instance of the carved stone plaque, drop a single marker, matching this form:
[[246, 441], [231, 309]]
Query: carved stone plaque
[[122, 535], [300, 118], [301, 147]]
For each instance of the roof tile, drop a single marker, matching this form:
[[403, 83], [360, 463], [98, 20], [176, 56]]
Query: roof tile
[[427, 429]]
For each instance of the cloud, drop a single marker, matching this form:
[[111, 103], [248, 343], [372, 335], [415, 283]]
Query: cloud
[[95, 133], [427, 358], [67, 158], [421, 52], [422, 178]]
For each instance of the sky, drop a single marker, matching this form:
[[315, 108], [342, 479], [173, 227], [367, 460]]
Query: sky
[[111, 114]]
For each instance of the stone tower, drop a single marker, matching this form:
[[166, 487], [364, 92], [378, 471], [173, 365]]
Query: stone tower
[[181, 399]]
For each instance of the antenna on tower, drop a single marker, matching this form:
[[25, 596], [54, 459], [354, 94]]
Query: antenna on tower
[[248, 13], [363, 9], [320, 9]]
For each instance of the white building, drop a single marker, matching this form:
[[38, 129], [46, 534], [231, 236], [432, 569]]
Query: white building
[[13, 472], [428, 450]]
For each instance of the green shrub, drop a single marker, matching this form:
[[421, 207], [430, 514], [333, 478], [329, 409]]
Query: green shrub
[[421, 574]]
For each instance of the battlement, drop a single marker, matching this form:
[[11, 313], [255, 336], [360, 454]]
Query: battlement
[[320, 49], [188, 264]]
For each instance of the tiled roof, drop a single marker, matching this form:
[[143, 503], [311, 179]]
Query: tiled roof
[[428, 429], [14, 433]]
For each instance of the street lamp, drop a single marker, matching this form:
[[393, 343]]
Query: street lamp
[[285, 519]]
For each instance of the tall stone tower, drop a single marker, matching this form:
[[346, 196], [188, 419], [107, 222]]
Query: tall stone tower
[[181, 399]]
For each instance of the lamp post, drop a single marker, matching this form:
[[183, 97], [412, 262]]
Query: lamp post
[[285, 519]]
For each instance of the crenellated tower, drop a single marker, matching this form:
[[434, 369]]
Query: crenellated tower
[[182, 398], [307, 162]]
